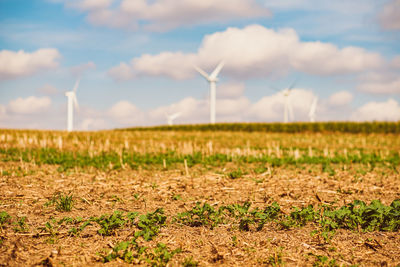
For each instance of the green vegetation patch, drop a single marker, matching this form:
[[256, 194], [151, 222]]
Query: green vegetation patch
[[344, 127]]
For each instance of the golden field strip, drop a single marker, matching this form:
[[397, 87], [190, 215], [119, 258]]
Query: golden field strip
[[191, 198]]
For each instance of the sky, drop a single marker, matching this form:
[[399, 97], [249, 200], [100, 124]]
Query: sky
[[135, 59]]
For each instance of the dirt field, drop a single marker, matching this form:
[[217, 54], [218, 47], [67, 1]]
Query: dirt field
[[37, 228]]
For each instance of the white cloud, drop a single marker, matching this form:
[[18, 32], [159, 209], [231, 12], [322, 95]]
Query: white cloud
[[270, 108], [125, 113], [396, 62], [86, 5], [48, 89], [162, 15], [390, 15], [18, 64], [2, 110], [121, 72], [93, 124], [175, 65], [192, 111], [340, 98], [380, 111], [254, 51], [230, 90], [29, 105], [79, 70], [380, 83]]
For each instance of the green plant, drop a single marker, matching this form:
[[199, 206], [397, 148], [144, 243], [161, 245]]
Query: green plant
[[21, 225], [150, 224], [189, 262], [324, 261], [62, 202], [299, 217], [276, 259], [235, 174], [204, 215], [5, 218], [176, 197], [131, 252], [109, 223]]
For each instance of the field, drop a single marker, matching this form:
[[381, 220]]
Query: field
[[199, 198]]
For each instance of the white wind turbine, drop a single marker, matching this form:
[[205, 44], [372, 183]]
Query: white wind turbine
[[212, 79], [72, 101], [313, 109], [288, 109], [172, 117]]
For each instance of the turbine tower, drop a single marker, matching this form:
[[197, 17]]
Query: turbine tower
[[171, 118], [212, 79], [313, 109], [72, 101], [288, 109]]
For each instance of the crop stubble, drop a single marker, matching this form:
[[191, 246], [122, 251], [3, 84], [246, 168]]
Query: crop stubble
[[28, 186]]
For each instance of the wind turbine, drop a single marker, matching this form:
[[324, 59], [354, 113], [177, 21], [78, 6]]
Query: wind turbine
[[172, 117], [288, 109], [72, 101], [212, 79], [313, 109]]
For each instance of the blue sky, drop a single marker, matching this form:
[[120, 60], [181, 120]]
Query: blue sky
[[135, 60]]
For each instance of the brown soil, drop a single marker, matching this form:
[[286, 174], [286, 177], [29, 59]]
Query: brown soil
[[96, 193]]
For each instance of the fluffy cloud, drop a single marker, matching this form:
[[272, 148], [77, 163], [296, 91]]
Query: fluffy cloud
[[380, 111], [161, 15], [93, 124], [2, 110], [192, 111], [48, 89], [230, 90], [86, 5], [390, 15], [17, 64], [254, 51], [79, 70], [125, 113], [340, 98], [380, 83], [29, 105], [271, 108], [396, 62]]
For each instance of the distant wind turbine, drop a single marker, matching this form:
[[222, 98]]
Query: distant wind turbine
[[313, 109], [212, 79], [288, 109], [172, 117], [72, 101]]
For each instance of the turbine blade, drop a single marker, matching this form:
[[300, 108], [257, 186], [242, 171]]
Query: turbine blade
[[75, 101], [202, 73], [293, 85], [76, 85], [215, 73], [176, 115]]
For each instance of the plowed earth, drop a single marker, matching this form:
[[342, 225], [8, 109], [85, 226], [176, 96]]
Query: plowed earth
[[98, 192]]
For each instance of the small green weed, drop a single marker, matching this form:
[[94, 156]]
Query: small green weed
[[5, 218], [324, 261], [189, 262], [235, 174], [62, 202], [21, 225], [109, 223]]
